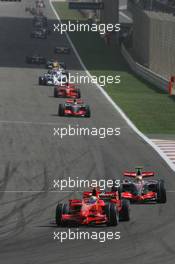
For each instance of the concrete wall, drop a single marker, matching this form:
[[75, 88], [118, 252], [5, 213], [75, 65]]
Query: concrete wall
[[162, 44], [110, 13], [141, 32], [154, 41]]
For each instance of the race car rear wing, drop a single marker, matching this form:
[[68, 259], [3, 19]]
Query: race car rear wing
[[143, 174], [87, 194], [101, 194], [64, 50], [108, 195], [67, 86], [73, 202], [70, 101]]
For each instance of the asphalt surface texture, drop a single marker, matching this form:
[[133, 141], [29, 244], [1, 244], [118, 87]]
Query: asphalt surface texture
[[31, 158]]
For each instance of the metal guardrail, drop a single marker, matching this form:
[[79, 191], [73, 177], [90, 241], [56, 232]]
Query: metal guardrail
[[144, 72]]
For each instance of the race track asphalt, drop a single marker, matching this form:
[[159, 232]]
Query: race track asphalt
[[31, 158]]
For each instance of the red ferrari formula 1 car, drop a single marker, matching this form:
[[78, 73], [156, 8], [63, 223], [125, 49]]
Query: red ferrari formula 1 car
[[75, 108], [94, 209], [139, 190], [67, 91]]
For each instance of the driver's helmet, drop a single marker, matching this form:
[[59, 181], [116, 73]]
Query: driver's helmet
[[138, 178], [75, 101], [55, 64], [92, 199]]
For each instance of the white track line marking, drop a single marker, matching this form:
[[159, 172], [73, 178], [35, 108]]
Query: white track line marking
[[117, 108]]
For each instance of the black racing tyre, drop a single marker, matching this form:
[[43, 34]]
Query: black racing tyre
[[61, 110], [112, 214], [88, 112], [161, 192], [118, 189], [55, 94], [124, 214], [41, 81], [67, 75], [60, 210], [58, 215]]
